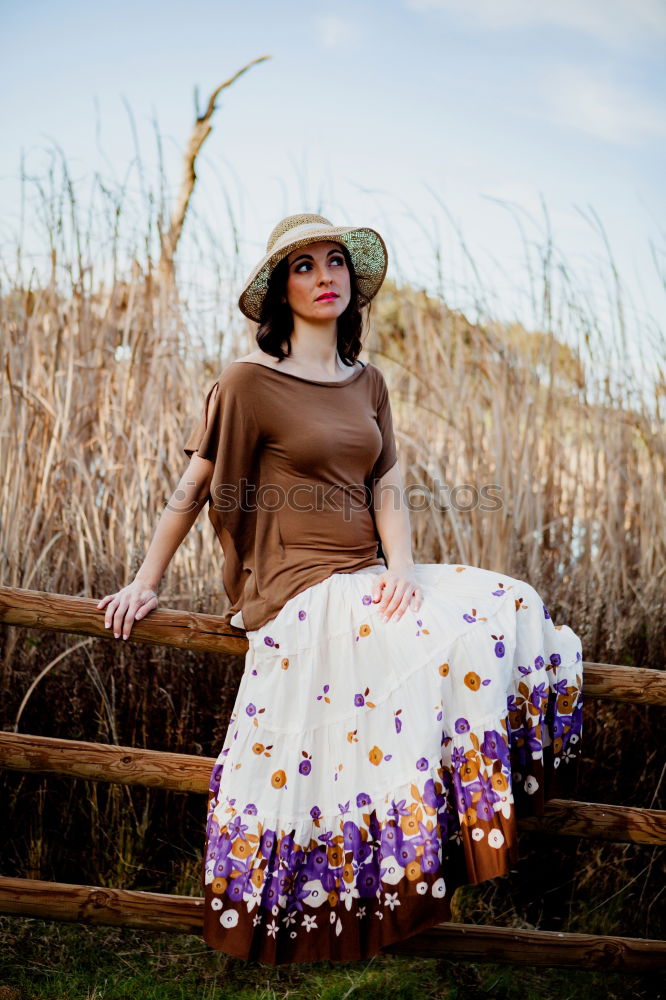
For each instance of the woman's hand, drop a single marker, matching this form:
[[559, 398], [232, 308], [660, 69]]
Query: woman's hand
[[128, 605], [400, 590]]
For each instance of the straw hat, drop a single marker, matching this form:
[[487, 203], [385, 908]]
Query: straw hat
[[366, 248]]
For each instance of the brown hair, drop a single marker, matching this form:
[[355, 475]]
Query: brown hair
[[276, 321]]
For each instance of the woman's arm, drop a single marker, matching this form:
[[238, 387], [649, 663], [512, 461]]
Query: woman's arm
[[135, 600], [394, 529]]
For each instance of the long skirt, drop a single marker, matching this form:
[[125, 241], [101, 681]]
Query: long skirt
[[370, 767]]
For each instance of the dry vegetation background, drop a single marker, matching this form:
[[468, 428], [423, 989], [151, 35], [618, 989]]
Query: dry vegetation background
[[104, 370]]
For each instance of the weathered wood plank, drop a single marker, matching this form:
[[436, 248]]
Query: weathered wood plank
[[188, 773], [472, 942], [207, 633]]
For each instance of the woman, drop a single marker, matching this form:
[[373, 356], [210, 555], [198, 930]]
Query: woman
[[393, 718]]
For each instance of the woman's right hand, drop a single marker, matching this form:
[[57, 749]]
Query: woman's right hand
[[128, 605]]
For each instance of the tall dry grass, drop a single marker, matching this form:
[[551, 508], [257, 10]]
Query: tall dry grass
[[104, 369]]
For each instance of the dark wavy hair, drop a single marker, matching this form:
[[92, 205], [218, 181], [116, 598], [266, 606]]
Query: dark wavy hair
[[276, 323]]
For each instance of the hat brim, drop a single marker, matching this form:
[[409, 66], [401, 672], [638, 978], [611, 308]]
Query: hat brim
[[366, 248]]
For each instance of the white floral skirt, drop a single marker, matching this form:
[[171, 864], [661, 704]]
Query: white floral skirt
[[371, 767]]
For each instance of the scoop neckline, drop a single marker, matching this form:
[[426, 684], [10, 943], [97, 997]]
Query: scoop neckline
[[313, 381]]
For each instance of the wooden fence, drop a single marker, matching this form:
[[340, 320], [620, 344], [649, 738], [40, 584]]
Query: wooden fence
[[182, 772]]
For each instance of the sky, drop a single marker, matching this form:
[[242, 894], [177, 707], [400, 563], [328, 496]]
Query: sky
[[463, 130]]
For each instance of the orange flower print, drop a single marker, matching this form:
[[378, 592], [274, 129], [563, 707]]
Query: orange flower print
[[469, 816], [444, 669], [364, 630], [469, 770], [498, 782], [375, 756], [557, 744], [413, 871], [259, 748], [472, 680], [565, 704], [218, 885], [241, 848], [257, 878], [278, 779], [335, 856], [409, 825], [348, 872], [284, 662], [333, 898]]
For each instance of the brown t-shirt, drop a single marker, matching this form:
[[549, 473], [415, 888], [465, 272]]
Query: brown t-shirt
[[291, 492]]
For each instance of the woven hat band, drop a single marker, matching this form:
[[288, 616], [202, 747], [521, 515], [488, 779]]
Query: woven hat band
[[297, 232]]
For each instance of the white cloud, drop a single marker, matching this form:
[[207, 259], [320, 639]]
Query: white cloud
[[335, 32], [594, 104], [615, 21]]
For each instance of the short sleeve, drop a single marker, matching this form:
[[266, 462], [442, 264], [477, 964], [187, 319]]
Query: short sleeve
[[229, 436], [388, 455]]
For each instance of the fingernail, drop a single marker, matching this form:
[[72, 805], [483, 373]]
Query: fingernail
[[124, 636], [117, 635], [107, 624]]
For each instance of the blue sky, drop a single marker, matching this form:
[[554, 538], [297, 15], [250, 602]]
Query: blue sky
[[423, 118]]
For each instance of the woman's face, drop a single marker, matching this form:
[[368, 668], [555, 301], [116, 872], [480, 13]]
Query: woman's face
[[315, 270]]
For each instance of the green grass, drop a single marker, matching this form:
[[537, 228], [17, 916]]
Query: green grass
[[46, 960]]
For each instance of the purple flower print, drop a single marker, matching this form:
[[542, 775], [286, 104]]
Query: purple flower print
[[498, 593], [525, 670], [237, 828], [462, 726], [469, 618], [286, 846], [302, 615], [406, 852], [494, 746], [368, 880], [268, 641], [317, 863], [484, 810], [499, 648], [359, 700], [422, 764], [363, 799], [555, 659], [367, 599], [419, 622], [430, 861], [267, 844], [458, 756], [250, 809], [304, 767], [237, 886], [397, 720], [538, 693], [315, 812], [251, 710], [561, 686], [538, 663], [545, 611], [398, 809], [391, 839], [430, 796], [351, 836], [344, 807]]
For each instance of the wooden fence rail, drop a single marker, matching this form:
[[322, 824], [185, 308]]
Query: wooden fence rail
[[187, 773], [207, 634]]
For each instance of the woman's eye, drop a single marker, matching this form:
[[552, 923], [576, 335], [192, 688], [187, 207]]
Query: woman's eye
[[307, 263]]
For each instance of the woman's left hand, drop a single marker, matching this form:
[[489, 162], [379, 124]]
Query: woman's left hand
[[395, 589]]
